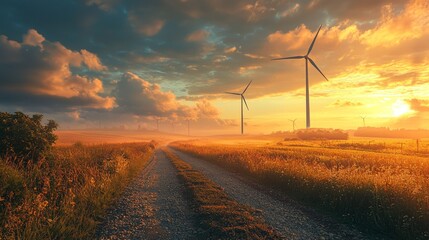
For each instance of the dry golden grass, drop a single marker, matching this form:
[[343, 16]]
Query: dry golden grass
[[384, 192], [91, 137], [64, 195], [222, 217]]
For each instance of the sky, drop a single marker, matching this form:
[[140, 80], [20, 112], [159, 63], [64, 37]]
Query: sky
[[130, 63]]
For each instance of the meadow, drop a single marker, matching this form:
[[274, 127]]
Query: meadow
[[376, 188], [64, 195]]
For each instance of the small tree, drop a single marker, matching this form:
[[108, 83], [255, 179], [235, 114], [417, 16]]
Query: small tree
[[24, 136]]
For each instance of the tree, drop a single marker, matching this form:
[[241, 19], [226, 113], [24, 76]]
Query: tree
[[25, 137]]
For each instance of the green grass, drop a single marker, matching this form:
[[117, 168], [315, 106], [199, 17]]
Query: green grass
[[65, 195], [223, 217]]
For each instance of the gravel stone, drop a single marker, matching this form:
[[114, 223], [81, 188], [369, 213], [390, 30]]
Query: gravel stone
[[152, 207]]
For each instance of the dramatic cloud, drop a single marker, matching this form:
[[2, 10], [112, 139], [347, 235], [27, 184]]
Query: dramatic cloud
[[37, 74], [139, 97], [198, 49]]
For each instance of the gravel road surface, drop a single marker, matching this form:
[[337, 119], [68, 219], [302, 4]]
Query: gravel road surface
[[288, 217], [152, 207]]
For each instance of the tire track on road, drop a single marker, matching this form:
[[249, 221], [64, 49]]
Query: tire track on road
[[152, 207], [285, 216]]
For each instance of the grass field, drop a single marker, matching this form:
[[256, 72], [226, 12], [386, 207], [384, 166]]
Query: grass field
[[93, 137], [66, 194], [378, 190]]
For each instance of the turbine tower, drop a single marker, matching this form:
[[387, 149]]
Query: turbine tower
[[293, 123], [363, 119], [307, 90], [242, 99]]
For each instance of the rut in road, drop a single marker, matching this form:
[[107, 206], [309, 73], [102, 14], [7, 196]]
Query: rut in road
[[152, 207], [285, 216]]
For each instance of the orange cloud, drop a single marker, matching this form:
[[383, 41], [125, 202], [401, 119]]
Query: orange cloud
[[142, 98], [197, 36], [392, 30], [33, 38], [148, 27], [41, 69]]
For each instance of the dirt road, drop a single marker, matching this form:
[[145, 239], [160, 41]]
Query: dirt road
[[286, 216], [152, 207]]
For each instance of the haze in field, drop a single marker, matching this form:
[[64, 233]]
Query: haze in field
[[131, 64]]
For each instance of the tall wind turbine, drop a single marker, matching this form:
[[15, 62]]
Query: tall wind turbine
[[242, 99], [363, 119], [293, 123], [307, 90]]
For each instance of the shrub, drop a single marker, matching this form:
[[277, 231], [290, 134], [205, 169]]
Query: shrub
[[320, 134], [25, 137], [11, 188]]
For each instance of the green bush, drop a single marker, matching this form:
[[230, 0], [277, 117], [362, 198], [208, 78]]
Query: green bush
[[25, 137]]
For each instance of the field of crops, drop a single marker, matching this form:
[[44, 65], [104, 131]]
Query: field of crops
[[380, 191], [64, 195]]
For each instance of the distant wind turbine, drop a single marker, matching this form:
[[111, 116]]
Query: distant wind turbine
[[242, 99], [293, 123], [363, 119], [307, 90]]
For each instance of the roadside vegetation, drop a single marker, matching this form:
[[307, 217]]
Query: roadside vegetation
[[380, 192], [64, 195], [221, 216], [51, 192]]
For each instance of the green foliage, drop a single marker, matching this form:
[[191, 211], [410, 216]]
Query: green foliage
[[25, 137]]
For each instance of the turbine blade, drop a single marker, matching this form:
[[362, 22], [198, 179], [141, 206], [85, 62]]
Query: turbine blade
[[283, 58], [314, 65], [233, 93], [314, 40], [247, 86], [245, 102]]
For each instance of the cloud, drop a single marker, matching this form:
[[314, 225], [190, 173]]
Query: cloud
[[290, 11], [230, 50], [92, 61], [37, 74], [340, 103], [197, 36], [419, 105], [145, 26], [139, 97], [33, 38], [393, 29], [248, 69]]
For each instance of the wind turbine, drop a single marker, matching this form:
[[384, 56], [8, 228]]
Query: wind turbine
[[363, 119], [307, 90], [293, 123], [242, 99]]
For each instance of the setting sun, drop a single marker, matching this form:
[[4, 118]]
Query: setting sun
[[400, 108], [214, 119]]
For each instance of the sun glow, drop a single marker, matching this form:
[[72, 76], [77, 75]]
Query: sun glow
[[400, 108]]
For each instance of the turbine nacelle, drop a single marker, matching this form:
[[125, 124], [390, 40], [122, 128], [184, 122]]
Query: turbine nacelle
[[243, 99], [307, 59]]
